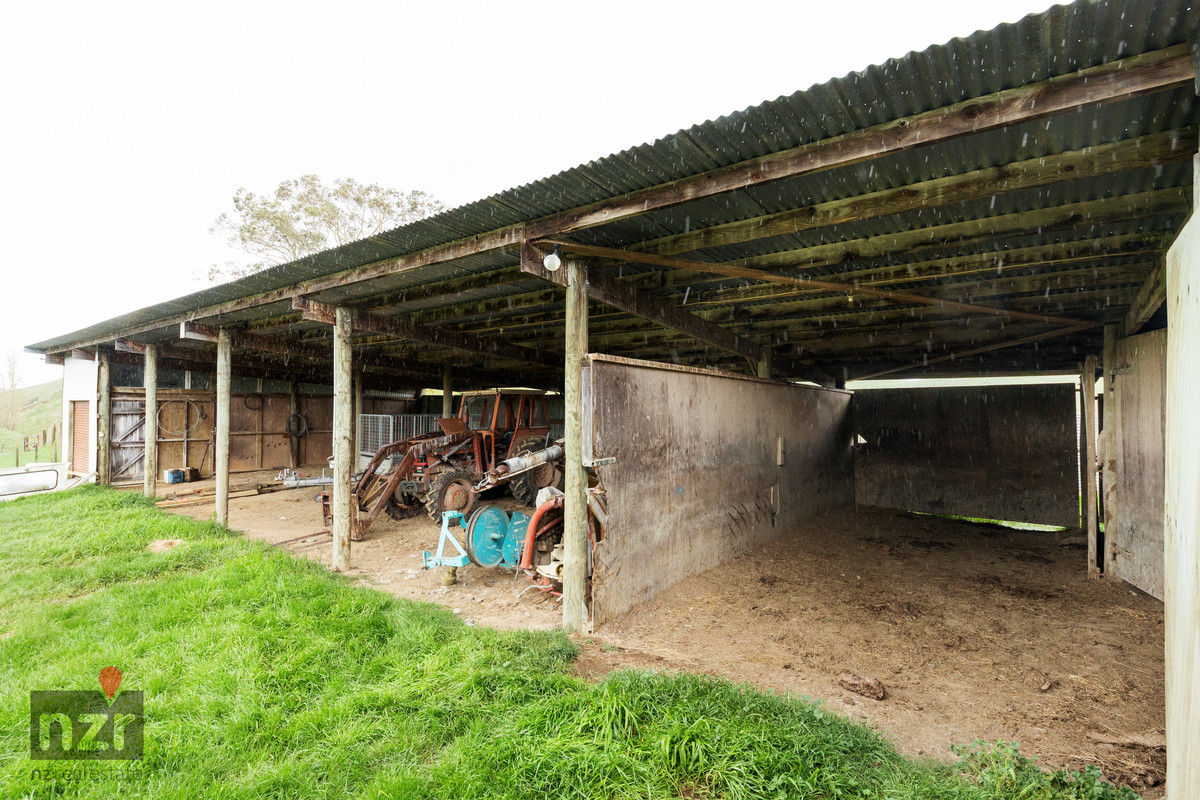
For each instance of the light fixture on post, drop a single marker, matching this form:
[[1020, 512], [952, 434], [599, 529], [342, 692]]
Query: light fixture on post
[[552, 261]]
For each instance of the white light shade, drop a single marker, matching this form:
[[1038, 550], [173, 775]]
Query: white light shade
[[552, 262]]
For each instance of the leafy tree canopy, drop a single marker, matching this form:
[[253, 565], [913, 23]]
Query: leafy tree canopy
[[304, 216]]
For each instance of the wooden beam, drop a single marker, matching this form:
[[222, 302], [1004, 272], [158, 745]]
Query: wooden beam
[[1142, 74], [150, 428], [127, 346], [55, 359], [575, 512], [768, 277], [1110, 438], [1147, 151], [1118, 80], [442, 337], [222, 390], [251, 341], [103, 419], [1087, 418], [981, 232], [704, 293], [1149, 299], [343, 401], [976, 351], [610, 292], [196, 332]]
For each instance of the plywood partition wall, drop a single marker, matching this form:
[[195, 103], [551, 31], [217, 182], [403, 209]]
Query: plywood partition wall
[[1134, 541], [707, 465], [996, 452]]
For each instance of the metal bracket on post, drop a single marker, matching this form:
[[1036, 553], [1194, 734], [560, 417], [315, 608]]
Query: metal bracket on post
[[599, 462]]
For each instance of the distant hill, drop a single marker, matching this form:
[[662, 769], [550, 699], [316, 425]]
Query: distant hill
[[39, 408]]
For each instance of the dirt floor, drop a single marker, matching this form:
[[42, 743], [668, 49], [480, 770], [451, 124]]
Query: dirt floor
[[976, 632]]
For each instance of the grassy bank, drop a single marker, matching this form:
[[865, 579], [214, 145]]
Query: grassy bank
[[267, 676], [35, 409]]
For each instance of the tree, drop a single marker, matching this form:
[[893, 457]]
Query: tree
[[304, 216], [10, 382]]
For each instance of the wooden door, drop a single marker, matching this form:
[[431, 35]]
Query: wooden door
[[1135, 545]]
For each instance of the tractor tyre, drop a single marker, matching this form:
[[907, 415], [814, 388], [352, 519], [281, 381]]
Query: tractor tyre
[[402, 508], [450, 490], [525, 487]]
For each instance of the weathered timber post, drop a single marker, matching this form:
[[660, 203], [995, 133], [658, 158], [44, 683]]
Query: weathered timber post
[[221, 446], [1087, 405], [1182, 511], [342, 408], [1110, 451], [575, 524], [293, 412], [103, 418], [358, 410], [447, 393], [150, 428], [765, 363]]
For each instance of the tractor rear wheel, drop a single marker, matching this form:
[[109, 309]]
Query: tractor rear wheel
[[525, 487], [450, 490], [402, 506]]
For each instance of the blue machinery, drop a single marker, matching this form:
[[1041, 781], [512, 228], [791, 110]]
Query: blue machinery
[[492, 539]]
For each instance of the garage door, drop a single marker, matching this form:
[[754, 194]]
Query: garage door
[[80, 435]]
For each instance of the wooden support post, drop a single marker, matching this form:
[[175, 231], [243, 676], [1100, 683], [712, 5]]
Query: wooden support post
[[221, 446], [1087, 407], [150, 381], [1182, 513], [447, 393], [575, 525], [103, 418], [342, 404], [293, 412], [358, 410], [764, 363], [1110, 443]]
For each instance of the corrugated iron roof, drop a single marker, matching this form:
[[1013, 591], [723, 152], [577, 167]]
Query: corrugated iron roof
[[1058, 41]]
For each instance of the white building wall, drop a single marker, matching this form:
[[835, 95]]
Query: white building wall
[[79, 383]]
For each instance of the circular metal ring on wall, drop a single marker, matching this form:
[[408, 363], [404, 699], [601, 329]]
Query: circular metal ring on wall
[[294, 428], [199, 418]]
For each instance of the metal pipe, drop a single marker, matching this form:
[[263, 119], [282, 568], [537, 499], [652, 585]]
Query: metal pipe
[[518, 465]]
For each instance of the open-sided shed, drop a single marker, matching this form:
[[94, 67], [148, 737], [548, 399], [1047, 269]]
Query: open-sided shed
[[1010, 203]]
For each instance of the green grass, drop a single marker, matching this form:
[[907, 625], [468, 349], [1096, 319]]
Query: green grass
[[266, 676], [38, 408]]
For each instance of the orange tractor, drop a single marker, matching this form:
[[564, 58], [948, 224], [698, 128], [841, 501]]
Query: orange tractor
[[441, 471]]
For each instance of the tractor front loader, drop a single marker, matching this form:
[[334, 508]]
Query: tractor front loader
[[499, 437]]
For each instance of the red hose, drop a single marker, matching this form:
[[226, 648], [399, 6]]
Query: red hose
[[532, 531]]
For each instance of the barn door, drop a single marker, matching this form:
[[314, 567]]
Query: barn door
[[127, 449], [1135, 546], [80, 436]]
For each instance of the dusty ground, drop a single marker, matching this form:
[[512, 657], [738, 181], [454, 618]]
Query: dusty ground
[[976, 632]]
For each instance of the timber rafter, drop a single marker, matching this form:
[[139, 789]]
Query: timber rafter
[[443, 337], [1135, 76]]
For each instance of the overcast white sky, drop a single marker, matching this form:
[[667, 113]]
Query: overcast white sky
[[128, 126]]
